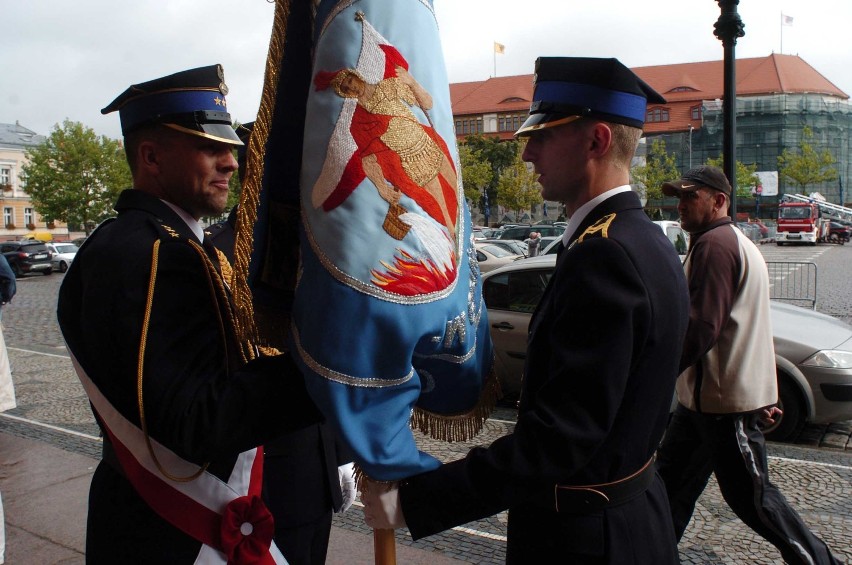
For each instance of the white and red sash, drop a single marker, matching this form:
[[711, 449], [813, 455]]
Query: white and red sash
[[229, 519]]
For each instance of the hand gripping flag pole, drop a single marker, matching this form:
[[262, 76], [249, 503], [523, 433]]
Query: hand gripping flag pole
[[353, 246]]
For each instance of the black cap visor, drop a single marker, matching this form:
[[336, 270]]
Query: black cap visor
[[207, 124], [540, 121], [216, 132]]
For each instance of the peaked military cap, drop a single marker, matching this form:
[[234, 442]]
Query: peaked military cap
[[190, 101], [567, 88]]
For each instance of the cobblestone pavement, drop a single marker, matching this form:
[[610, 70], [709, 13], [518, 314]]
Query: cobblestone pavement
[[818, 482]]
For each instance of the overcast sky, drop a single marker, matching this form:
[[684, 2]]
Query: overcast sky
[[68, 59]]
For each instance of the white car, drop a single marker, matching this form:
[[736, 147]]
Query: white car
[[491, 256], [813, 352], [677, 235], [61, 255]]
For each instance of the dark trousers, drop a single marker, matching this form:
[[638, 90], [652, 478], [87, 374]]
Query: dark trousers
[[306, 544], [732, 447]]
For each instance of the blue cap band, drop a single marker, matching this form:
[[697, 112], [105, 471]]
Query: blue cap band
[[145, 108], [597, 99]]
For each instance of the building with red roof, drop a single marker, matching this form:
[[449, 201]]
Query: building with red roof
[[777, 97]]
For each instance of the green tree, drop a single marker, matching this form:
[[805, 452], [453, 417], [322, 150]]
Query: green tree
[[476, 174], [517, 188], [659, 167], [75, 176], [807, 166], [747, 177], [500, 154]]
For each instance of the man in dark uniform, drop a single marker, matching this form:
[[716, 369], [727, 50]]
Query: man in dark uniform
[[306, 476], [577, 473], [182, 399]]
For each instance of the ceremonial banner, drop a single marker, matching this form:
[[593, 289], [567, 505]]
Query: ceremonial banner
[[386, 315]]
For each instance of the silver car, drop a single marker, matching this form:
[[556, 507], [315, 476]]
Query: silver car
[[813, 352], [61, 255]]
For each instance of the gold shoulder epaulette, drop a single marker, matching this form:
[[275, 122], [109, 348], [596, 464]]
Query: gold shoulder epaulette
[[170, 230], [601, 227]]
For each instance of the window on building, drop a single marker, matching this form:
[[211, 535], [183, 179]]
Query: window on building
[[752, 138], [29, 216], [5, 175], [8, 216], [696, 112], [510, 122], [657, 115]]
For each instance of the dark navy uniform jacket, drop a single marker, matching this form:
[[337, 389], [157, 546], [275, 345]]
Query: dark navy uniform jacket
[[202, 399], [604, 344]]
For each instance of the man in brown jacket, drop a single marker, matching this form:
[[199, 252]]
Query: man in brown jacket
[[728, 383]]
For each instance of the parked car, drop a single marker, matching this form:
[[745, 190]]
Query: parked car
[[677, 235], [61, 255], [512, 245], [751, 231], [547, 242], [491, 256], [522, 233], [838, 232], [764, 229], [492, 233], [813, 352], [29, 256]]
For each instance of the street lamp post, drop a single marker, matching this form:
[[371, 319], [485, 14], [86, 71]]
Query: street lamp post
[[727, 29]]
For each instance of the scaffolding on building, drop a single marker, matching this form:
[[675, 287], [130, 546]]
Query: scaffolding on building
[[768, 125]]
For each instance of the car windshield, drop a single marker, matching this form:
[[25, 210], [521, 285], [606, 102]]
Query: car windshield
[[794, 213], [66, 248], [497, 251]]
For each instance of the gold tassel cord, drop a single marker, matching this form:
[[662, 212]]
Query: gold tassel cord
[[218, 294], [152, 283], [217, 284], [250, 195], [459, 427]]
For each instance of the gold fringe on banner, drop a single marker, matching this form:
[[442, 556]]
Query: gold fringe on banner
[[250, 195], [459, 427]]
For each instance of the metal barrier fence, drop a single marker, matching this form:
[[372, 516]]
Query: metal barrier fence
[[793, 282]]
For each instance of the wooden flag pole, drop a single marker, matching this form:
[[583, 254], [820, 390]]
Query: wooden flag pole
[[384, 547]]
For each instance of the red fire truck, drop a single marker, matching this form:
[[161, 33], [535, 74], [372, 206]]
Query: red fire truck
[[800, 221]]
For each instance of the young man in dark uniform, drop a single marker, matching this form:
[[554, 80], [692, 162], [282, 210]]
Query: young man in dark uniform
[[182, 398], [577, 473]]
